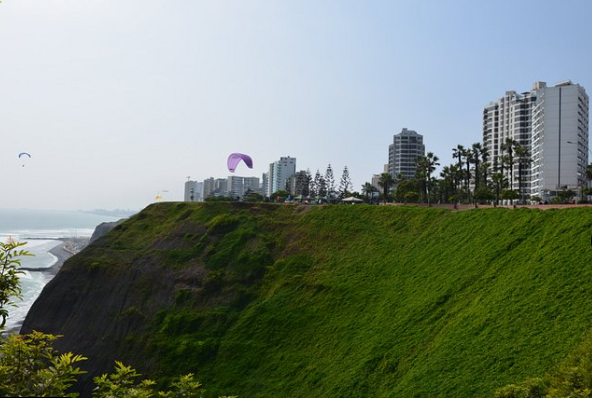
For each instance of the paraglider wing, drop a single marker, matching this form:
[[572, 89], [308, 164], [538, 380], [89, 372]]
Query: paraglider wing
[[235, 158], [24, 155]]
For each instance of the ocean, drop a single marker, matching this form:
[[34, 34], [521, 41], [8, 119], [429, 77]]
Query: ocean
[[41, 229]]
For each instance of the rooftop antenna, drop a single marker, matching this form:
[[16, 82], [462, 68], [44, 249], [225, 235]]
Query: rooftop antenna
[[188, 178]]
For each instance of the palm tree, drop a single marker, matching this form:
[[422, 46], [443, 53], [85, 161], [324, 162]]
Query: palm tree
[[386, 181], [498, 184], [523, 160], [448, 186], [459, 152], [426, 166], [509, 146], [476, 150], [468, 159], [368, 189]]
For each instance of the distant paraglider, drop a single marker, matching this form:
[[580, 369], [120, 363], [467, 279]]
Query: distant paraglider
[[23, 156], [235, 158], [160, 194]]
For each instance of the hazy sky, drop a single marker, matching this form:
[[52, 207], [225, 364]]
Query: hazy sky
[[117, 100]]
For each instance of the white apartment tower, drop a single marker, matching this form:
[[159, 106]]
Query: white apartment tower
[[406, 149], [193, 191], [559, 139], [510, 117], [551, 123], [279, 172]]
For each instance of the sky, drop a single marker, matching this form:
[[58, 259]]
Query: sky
[[117, 101]]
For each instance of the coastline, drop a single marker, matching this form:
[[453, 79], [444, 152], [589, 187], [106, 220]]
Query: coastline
[[61, 252]]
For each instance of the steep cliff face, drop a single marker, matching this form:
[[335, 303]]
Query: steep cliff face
[[108, 299], [103, 228], [335, 301]]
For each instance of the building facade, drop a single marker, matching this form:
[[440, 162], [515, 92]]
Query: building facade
[[237, 187], [279, 173], [509, 118], [406, 149], [559, 139], [551, 124], [193, 191]]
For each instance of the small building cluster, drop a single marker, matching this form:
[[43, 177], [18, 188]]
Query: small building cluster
[[280, 176]]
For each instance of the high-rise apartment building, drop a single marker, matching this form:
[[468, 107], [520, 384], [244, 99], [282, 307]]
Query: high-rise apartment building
[[237, 187], [406, 149], [551, 124], [279, 172], [559, 139], [193, 191], [509, 118]]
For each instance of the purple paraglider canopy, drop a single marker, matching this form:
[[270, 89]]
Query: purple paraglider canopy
[[235, 158]]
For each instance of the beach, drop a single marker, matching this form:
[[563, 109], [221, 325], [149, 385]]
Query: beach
[[66, 249]]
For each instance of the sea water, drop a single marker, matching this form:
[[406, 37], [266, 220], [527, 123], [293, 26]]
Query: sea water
[[41, 229]]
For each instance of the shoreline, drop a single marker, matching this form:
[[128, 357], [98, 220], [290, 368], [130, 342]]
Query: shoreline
[[61, 252]]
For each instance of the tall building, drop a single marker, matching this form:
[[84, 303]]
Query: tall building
[[239, 186], [559, 139], [193, 191], [208, 187], [263, 190], [551, 123], [510, 117], [215, 187], [279, 172], [406, 148]]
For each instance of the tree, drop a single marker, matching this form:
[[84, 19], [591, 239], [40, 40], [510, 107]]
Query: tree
[[280, 195], [330, 182], [253, 197], [426, 166], [523, 161], [498, 184], [566, 195], [368, 190], [345, 185], [509, 146], [459, 153], [386, 181], [317, 185], [10, 286], [322, 188], [510, 195]]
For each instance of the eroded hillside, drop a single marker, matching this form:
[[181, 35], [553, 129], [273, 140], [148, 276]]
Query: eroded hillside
[[334, 301]]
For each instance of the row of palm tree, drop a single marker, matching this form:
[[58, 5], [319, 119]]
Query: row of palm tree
[[474, 177]]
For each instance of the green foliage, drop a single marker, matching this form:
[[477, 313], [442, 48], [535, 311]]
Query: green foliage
[[123, 383], [509, 194], [29, 367], [358, 301], [566, 195], [280, 196], [253, 197], [219, 199], [10, 287]]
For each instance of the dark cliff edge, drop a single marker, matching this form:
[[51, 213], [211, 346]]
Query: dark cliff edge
[[263, 300], [107, 300], [103, 228]]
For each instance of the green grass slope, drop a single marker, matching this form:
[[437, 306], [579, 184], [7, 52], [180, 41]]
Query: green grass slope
[[359, 301]]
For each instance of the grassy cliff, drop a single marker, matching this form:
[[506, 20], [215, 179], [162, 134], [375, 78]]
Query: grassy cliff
[[333, 301]]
